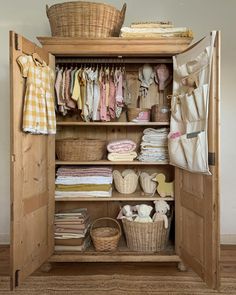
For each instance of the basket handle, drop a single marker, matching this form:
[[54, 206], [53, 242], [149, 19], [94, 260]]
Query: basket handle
[[47, 9], [105, 218], [122, 13]]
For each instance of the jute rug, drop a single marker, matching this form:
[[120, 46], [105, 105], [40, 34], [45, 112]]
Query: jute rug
[[116, 284]]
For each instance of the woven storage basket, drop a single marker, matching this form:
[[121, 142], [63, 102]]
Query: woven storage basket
[[125, 182], [72, 149], [105, 238], [134, 114], [160, 113], [147, 184], [146, 237], [85, 19]]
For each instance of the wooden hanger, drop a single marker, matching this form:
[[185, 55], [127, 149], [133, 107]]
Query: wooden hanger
[[37, 58]]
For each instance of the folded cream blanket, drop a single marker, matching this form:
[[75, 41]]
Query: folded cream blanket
[[130, 156], [121, 146]]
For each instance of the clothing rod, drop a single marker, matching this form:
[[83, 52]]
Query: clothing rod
[[113, 60]]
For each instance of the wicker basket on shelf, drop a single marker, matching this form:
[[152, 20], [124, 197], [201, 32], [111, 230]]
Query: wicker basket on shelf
[[146, 237], [85, 19], [105, 238], [160, 113], [125, 182], [73, 149]]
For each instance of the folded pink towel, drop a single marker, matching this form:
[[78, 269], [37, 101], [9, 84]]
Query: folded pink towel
[[121, 146]]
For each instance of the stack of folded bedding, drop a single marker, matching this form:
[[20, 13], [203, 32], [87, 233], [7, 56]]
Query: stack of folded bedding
[[78, 181], [155, 30], [121, 150], [71, 230], [154, 145]]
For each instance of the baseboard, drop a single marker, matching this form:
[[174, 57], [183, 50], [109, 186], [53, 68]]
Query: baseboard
[[228, 239], [4, 239]]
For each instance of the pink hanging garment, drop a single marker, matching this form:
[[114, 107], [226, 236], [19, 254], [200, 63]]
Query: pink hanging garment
[[112, 99], [103, 108]]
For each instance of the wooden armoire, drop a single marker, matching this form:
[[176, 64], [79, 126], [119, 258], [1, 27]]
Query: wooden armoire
[[33, 166]]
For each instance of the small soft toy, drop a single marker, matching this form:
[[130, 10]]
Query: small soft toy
[[161, 208], [143, 213], [164, 188], [191, 82], [127, 212]]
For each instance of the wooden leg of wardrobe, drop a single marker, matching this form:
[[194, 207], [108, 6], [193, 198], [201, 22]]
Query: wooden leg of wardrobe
[[182, 267], [46, 267]]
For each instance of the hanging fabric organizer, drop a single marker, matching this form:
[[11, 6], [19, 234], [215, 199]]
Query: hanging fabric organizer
[[188, 137]]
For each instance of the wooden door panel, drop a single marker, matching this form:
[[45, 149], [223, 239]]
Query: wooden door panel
[[32, 177], [197, 198]]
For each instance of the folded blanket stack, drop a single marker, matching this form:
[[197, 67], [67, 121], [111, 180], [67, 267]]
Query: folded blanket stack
[[155, 30], [84, 182], [121, 150], [71, 230], [154, 145]]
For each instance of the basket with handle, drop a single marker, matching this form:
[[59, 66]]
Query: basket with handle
[[105, 238], [85, 19]]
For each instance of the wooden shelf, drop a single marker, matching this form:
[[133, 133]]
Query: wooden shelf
[[116, 196], [107, 162], [122, 254], [78, 123]]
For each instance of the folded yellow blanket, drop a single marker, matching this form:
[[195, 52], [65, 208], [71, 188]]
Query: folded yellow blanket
[[83, 187], [122, 157]]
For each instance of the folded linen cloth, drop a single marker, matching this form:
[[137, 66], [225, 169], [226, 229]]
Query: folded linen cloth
[[83, 180], [121, 146], [83, 187], [122, 156], [63, 194]]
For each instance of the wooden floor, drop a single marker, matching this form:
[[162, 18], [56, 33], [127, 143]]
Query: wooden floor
[[228, 266]]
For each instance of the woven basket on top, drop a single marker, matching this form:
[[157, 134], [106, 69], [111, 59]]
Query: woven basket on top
[[85, 19], [72, 149], [146, 237], [125, 182], [105, 238]]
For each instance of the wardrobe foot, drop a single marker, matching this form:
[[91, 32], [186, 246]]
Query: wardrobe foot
[[46, 267], [182, 267]]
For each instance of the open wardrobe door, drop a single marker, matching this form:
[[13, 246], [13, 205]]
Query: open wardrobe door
[[197, 193], [32, 175]]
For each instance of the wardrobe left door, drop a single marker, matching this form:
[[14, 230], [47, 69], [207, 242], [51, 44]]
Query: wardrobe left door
[[32, 176]]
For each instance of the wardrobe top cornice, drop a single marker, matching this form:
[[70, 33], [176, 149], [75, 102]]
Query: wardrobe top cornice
[[114, 46]]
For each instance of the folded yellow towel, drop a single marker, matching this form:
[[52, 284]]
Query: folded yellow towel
[[117, 157], [83, 187]]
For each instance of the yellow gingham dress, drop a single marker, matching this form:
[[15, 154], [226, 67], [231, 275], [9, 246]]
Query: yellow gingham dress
[[39, 106]]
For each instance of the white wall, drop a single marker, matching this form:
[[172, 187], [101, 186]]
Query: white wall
[[28, 17]]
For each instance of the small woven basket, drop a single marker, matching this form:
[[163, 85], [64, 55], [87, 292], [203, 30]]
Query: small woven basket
[[147, 184], [146, 237], [160, 113], [72, 149], [105, 238], [125, 183], [85, 19], [138, 114]]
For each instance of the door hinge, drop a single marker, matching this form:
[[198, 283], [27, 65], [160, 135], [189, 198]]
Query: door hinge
[[13, 158], [17, 45], [212, 159]]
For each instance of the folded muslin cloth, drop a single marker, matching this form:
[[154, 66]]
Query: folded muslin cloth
[[83, 180], [77, 194], [122, 156], [121, 146], [83, 187], [154, 145]]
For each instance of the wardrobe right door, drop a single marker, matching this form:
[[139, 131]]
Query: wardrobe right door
[[197, 193]]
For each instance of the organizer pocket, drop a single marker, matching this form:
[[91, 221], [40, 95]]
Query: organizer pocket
[[176, 152], [176, 112], [195, 152], [201, 100], [189, 108]]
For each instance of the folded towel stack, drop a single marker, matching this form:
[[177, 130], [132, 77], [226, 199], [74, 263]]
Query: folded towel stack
[[121, 150], [154, 145], [71, 230], [155, 30], [84, 182]]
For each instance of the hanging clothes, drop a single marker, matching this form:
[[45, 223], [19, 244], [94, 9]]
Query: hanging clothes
[[39, 104]]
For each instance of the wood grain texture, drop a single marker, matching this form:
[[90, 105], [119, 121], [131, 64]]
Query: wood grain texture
[[114, 46]]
